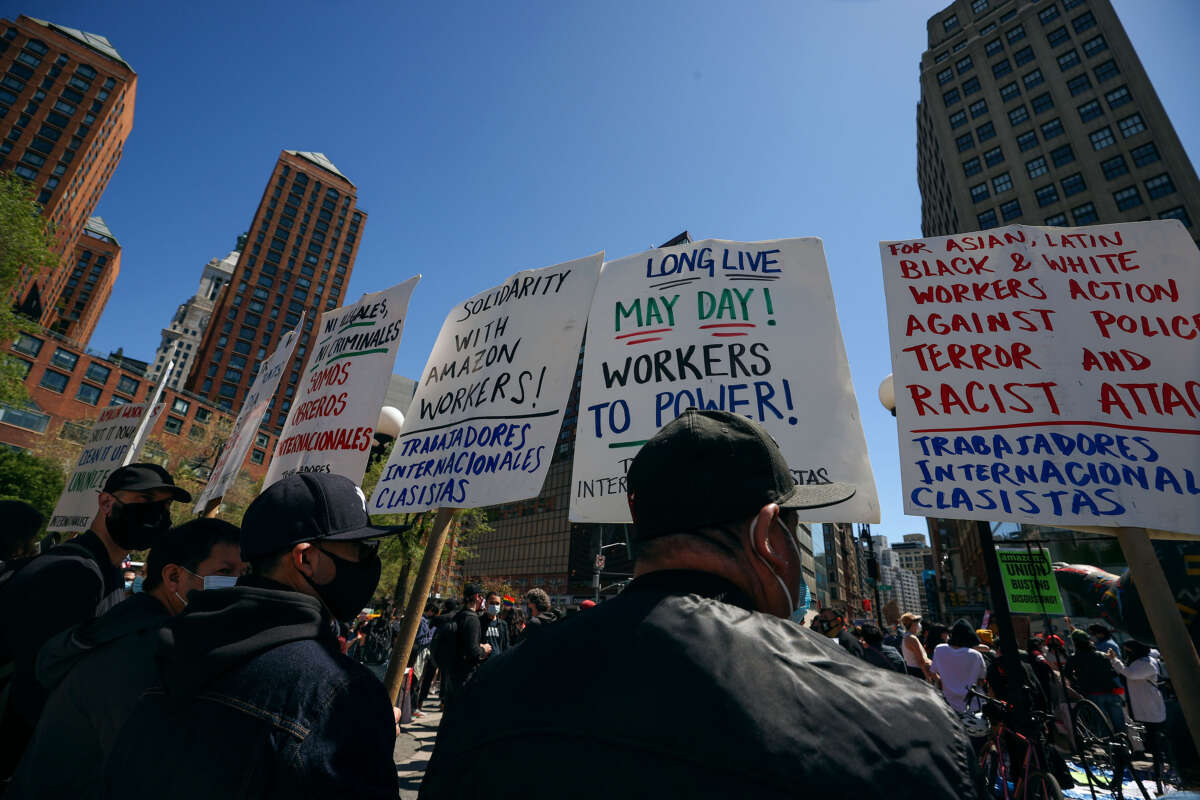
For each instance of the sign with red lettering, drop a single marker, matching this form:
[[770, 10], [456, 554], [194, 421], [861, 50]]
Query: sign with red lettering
[[746, 327], [1049, 375], [331, 425]]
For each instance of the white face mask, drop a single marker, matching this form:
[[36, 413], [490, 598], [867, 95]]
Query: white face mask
[[792, 607], [494, 610]]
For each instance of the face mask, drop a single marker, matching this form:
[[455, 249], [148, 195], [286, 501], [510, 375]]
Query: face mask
[[352, 586], [137, 584], [792, 607], [129, 586], [219, 581], [136, 526], [494, 610]]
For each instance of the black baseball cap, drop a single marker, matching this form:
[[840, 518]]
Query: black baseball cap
[[472, 589], [306, 507], [710, 467], [143, 478]]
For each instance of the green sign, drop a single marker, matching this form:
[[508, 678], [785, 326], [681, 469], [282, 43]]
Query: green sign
[[1029, 582]]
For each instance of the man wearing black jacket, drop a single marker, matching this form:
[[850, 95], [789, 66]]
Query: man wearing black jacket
[[255, 698], [470, 651], [693, 682]]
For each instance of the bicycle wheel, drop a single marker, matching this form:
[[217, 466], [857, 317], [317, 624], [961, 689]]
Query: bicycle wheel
[[989, 772], [1042, 786], [1093, 734]]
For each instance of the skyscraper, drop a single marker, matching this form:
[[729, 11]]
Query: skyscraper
[[298, 257], [66, 109], [181, 337], [94, 268], [1040, 112]]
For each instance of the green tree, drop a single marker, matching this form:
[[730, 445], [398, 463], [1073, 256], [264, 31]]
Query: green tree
[[24, 246], [37, 481]]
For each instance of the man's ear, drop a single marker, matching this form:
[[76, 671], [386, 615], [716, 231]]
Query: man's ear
[[171, 576], [303, 559], [104, 502], [766, 539]]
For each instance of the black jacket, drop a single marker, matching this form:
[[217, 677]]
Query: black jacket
[[675, 689], [886, 657], [94, 672], [535, 626], [255, 700]]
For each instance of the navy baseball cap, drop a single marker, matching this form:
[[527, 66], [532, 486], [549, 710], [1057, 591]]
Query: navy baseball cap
[[305, 507]]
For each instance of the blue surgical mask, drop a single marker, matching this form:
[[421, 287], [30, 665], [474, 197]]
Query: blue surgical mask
[[219, 581], [137, 584]]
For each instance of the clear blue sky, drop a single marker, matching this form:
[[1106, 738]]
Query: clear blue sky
[[490, 137]]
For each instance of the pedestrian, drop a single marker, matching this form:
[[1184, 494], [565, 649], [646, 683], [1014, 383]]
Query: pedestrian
[[76, 581], [1102, 640], [541, 613], [419, 661], [957, 665], [253, 697], [911, 648], [693, 681], [831, 623], [469, 649], [95, 671], [492, 629], [878, 653], [1143, 673], [442, 647], [1093, 675], [18, 531]]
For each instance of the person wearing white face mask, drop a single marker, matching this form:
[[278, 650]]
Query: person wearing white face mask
[[492, 629], [915, 658], [97, 670], [694, 681]]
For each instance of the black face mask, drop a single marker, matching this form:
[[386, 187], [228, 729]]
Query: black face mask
[[137, 526], [352, 587]]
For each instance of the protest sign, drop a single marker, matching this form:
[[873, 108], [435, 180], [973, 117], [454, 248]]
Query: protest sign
[[246, 426], [108, 447], [1049, 375], [482, 426], [331, 425], [1029, 582], [748, 327]]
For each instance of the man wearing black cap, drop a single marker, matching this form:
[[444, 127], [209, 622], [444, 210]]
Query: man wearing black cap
[[693, 682], [469, 648], [255, 698], [74, 582]]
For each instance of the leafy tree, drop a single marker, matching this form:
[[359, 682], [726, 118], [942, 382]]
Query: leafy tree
[[37, 481]]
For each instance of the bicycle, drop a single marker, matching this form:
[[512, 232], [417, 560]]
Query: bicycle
[[997, 769], [1107, 754]]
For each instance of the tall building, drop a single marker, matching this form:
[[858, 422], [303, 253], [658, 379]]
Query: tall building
[[844, 568], [181, 338], [94, 269], [913, 554], [1040, 112], [298, 257], [66, 109]]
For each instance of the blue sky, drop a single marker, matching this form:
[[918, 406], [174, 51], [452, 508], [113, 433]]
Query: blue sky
[[487, 138]]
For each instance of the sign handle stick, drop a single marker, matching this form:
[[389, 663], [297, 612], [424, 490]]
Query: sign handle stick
[[144, 428], [1008, 637], [402, 647], [211, 508], [1166, 622]]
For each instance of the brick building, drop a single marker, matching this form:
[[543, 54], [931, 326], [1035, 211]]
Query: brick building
[[94, 271]]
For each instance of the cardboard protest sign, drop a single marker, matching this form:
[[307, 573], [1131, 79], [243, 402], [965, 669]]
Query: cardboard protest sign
[[246, 425], [1029, 582], [1049, 375], [331, 426], [747, 327], [482, 427], [107, 448]]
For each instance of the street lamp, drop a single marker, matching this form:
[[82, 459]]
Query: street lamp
[[391, 419], [887, 394]]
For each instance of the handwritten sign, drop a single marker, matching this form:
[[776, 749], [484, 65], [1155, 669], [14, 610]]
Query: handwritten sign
[[331, 427], [482, 427], [1049, 375], [107, 447], [1029, 582], [246, 425], [747, 327]]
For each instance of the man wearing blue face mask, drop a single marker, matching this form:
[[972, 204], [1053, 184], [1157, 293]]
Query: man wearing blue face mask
[[96, 671], [694, 682]]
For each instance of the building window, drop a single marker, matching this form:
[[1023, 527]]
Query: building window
[[88, 394], [1131, 125], [958, 119], [1043, 102], [206, 387], [1090, 110], [1002, 183], [1073, 184], [1079, 84], [257, 456], [1118, 97], [1178, 213], [1010, 210], [1046, 195], [972, 167], [1114, 167], [1036, 167], [1093, 46], [978, 108], [1009, 92], [1102, 138], [979, 6], [64, 359], [964, 64], [965, 142], [993, 157], [173, 425], [1059, 219], [1027, 141], [1127, 198], [127, 385], [54, 381], [1032, 79], [1062, 155], [1023, 56], [1001, 68], [1106, 71], [951, 97], [979, 192], [1068, 60], [1014, 35], [28, 418], [1018, 115], [1085, 214], [994, 46], [96, 372], [945, 76], [1048, 14], [180, 406], [1159, 186], [985, 131], [950, 23], [28, 345], [1144, 154], [942, 56], [970, 86], [1083, 22], [1058, 36]]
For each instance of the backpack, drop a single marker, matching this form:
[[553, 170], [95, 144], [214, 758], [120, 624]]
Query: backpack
[[377, 645], [10, 569], [444, 647]]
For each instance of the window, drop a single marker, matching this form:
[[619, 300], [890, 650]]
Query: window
[[28, 418], [1114, 167], [180, 406], [1010, 210], [1014, 35], [1178, 213], [942, 56], [1036, 167], [1083, 22], [1069, 60], [1127, 198], [1118, 97], [257, 456], [96, 372], [1009, 92], [54, 381], [972, 167], [1085, 214], [1079, 84], [988, 219], [1073, 184], [1032, 79], [1043, 102], [1001, 67], [127, 385], [1090, 110], [1018, 115], [994, 46], [965, 142], [979, 192], [1002, 183], [951, 97], [1159, 186], [1048, 14], [1093, 46], [979, 6], [964, 64], [1023, 56], [950, 23], [1131, 125], [993, 157], [173, 425], [1106, 71], [1058, 36], [64, 358], [1027, 141], [1145, 154], [1046, 195], [1062, 156], [945, 76], [88, 394], [1059, 219], [985, 131], [1102, 138], [970, 86], [958, 119]]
